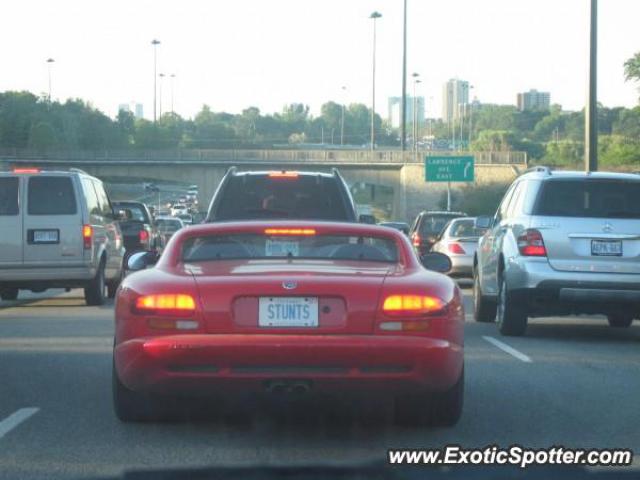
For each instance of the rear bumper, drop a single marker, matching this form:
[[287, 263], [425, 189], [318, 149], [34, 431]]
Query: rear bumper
[[548, 291], [461, 266], [48, 274], [200, 364]]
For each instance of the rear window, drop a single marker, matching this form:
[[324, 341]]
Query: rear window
[[51, 196], [465, 228], [134, 212], [8, 196], [433, 224], [261, 196], [168, 225], [589, 198], [320, 247]]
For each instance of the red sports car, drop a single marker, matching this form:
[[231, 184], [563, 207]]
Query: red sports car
[[289, 308]]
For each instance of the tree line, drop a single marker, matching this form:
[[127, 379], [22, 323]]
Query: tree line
[[31, 122]]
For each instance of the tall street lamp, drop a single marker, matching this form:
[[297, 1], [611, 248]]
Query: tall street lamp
[[416, 80], [470, 119], [591, 111], [155, 44], [161, 76], [173, 76], [374, 16], [403, 107], [344, 89], [50, 62]]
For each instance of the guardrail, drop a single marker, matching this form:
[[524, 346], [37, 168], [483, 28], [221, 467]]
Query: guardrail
[[276, 156]]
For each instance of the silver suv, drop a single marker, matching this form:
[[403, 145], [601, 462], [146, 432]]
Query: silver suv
[[561, 243], [58, 230]]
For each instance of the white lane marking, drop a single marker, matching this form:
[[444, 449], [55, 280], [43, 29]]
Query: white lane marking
[[506, 348], [15, 419]]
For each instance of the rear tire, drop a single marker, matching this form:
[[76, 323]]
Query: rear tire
[[9, 293], [94, 292], [130, 406], [484, 310], [511, 317], [620, 320], [437, 409]]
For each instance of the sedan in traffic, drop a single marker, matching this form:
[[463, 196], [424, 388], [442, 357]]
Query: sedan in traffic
[[459, 241], [289, 308]]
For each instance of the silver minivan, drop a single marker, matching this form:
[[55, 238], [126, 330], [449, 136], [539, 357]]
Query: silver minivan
[[560, 243], [58, 230]]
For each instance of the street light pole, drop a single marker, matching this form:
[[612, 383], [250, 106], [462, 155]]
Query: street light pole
[[49, 62], [161, 75], [173, 76], [591, 111], [155, 44], [470, 119], [416, 80], [374, 16], [403, 107], [342, 120]]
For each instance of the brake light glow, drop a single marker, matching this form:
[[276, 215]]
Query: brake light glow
[[26, 170], [87, 236], [412, 305], [531, 243], [289, 231], [283, 174], [179, 304], [415, 240], [456, 248], [144, 236]]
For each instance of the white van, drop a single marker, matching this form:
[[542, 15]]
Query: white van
[[58, 230]]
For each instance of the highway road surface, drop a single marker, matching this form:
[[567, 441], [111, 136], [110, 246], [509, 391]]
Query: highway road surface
[[573, 382]]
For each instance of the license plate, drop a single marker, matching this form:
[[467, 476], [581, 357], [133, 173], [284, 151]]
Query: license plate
[[45, 236], [281, 248], [606, 248], [288, 312]]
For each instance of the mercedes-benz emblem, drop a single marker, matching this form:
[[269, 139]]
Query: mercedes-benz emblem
[[607, 227], [289, 284]]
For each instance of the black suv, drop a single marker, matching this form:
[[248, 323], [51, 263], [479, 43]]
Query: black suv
[[427, 226], [281, 195]]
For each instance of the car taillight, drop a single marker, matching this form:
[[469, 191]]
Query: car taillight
[[456, 248], [415, 240], [181, 305], [87, 236], [412, 305], [144, 236], [26, 170], [531, 244], [289, 231]]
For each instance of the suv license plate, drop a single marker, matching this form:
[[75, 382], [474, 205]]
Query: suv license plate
[[288, 312], [606, 248], [45, 236]]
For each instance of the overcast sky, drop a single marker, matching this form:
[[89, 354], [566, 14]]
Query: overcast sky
[[231, 54]]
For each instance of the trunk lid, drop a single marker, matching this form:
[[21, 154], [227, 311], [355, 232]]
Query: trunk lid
[[347, 294]]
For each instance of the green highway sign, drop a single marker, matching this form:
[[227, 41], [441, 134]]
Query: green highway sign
[[448, 168]]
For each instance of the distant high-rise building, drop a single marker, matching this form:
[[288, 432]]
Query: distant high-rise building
[[394, 111], [136, 108], [455, 96], [533, 100]]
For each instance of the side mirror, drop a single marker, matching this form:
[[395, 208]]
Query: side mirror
[[367, 218], [483, 221], [141, 260], [437, 262]]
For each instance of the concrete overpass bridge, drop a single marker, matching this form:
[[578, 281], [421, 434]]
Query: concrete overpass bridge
[[401, 174]]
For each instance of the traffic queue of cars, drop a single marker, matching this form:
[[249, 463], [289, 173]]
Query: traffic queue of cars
[[284, 290]]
